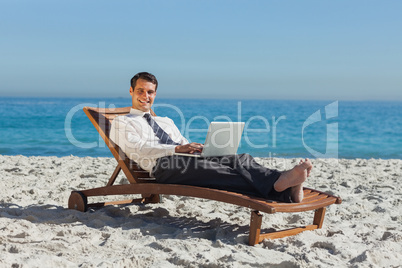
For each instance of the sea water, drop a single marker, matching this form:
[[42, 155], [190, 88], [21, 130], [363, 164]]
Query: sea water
[[274, 128]]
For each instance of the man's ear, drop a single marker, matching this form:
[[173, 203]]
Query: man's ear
[[131, 91]]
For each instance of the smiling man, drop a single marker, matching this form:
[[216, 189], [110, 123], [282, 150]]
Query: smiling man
[[152, 142], [143, 91]]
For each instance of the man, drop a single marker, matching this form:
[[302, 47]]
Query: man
[[153, 141]]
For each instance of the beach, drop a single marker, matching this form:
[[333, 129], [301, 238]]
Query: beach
[[38, 230]]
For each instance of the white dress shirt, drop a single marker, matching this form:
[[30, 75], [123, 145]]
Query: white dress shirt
[[136, 138]]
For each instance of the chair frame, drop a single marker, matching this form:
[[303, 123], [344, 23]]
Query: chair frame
[[141, 183]]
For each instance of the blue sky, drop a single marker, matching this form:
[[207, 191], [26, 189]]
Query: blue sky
[[327, 50]]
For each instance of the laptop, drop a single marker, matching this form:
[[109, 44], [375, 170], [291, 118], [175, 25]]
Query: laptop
[[223, 138]]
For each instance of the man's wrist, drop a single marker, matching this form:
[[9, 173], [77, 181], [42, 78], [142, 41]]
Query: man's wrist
[[177, 149]]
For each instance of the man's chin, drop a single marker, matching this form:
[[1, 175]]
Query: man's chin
[[145, 108]]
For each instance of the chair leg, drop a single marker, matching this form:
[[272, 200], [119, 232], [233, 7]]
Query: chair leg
[[256, 236], [114, 176], [153, 198], [319, 217], [255, 228]]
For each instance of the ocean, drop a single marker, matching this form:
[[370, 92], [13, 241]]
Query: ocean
[[274, 128]]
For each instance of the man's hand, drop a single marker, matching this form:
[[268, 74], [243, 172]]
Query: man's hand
[[189, 148]]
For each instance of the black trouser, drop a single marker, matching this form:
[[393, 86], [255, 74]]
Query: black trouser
[[236, 173]]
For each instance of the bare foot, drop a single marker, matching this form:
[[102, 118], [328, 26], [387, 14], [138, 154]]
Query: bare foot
[[294, 179], [297, 194]]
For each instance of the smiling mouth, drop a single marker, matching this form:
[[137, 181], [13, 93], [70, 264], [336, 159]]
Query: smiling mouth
[[144, 102]]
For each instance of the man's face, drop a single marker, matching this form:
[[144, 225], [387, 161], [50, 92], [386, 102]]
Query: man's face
[[143, 95]]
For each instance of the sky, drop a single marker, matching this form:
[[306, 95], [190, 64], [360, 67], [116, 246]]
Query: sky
[[296, 50]]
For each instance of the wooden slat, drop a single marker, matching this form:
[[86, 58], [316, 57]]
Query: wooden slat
[[285, 233], [307, 201], [299, 207], [207, 193], [310, 194], [313, 190], [141, 174], [182, 190], [120, 202]]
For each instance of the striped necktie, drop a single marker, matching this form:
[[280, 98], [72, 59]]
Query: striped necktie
[[159, 132]]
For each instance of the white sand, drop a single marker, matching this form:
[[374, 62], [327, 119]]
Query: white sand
[[37, 229]]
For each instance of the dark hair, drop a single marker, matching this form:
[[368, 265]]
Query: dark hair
[[146, 76]]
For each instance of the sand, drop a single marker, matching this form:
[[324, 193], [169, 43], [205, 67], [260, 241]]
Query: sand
[[38, 230]]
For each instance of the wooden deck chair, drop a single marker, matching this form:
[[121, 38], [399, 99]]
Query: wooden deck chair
[[141, 183]]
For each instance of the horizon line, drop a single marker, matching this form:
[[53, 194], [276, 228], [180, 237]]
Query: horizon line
[[205, 98]]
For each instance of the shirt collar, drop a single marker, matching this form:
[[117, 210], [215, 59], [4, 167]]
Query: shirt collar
[[138, 112]]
